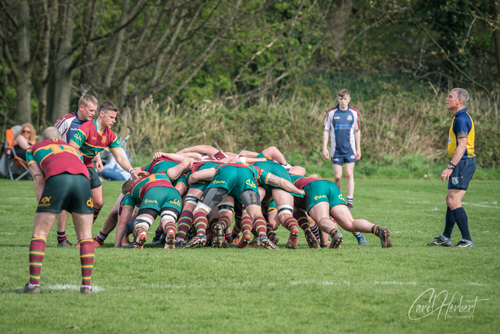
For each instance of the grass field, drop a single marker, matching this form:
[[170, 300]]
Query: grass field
[[354, 289]]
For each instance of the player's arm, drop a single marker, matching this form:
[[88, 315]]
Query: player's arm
[[123, 219], [122, 160], [175, 172], [38, 179], [459, 153], [357, 140], [326, 135], [203, 149], [98, 163], [248, 154], [276, 181], [173, 156], [206, 174]]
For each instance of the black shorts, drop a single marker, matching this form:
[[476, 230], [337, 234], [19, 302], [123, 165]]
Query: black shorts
[[66, 192], [462, 174]]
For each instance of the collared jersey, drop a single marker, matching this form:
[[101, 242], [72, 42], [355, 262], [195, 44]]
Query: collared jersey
[[341, 124], [90, 141], [67, 125], [139, 187], [461, 126], [55, 157]]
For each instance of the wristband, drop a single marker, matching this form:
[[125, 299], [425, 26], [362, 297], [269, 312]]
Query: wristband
[[131, 171], [451, 166], [243, 159]]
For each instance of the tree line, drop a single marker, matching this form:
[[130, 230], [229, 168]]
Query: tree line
[[232, 52]]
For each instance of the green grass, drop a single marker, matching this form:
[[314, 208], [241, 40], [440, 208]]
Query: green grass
[[353, 289]]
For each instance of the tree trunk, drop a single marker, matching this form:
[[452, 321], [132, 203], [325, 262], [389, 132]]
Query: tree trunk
[[62, 78], [24, 67], [495, 11]]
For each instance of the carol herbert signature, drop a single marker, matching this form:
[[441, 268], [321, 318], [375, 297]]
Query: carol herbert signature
[[444, 305]]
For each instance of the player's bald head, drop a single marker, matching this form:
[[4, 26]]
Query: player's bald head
[[51, 133]]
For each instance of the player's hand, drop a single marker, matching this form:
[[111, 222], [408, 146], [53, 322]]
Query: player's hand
[[446, 174], [157, 155], [326, 154], [358, 156], [98, 166]]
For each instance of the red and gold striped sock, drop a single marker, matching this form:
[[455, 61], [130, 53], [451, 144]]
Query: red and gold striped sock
[[302, 220], [138, 230], [36, 254], [96, 214], [375, 229], [246, 224], [260, 226], [291, 223], [169, 226], [185, 222], [86, 260], [225, 221], [61, 236], [200, 222]]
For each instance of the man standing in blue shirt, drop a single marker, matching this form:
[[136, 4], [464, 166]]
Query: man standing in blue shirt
[[67, 125], [460, 169], [342, 126]]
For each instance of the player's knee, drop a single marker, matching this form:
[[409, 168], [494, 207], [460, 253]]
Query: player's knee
[[285, 210], [98, 204], [144, 222], [225, 207], [169, 215], [349, 175]]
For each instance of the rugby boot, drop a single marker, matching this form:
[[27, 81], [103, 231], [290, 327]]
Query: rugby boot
[[179, 244], [361, 239], [255, 241], [210, 239], [66, 243], [170, 238], [160, 240], [441, 241], [273, 237], [245, 240], [197, 242], [141, 240], [86, 290], [267, 244], [385, 237], [293, 239], [235, 240], [97, 242], [311, 240], [218, 237], [337, 240], [464, 243], [33, 290]]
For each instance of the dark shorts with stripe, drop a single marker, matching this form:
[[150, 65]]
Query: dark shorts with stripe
[[462, 174], [66, 192], [95, 181]]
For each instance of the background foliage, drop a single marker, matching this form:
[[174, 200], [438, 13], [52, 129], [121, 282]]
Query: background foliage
[[246, 74]]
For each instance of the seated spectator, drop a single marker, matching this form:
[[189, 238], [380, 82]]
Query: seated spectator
[[112, 170], [24, 139]]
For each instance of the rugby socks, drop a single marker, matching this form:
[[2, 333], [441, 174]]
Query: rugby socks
[[315, 231], [36, 254], [86, 260], [350, 199], [211, 225], [185, 221], [376, 229], [61, 236], [101, 236], [158, 232], [200, 222], [450, 223], [333, 231], [302, 220], [169, 226], [96, 213], [260, 226], [225, 222], [462, 222], [138, 230], [246, 224], [291, 223]]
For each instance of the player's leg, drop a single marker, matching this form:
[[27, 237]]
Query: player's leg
[[98, 201], [284, 204], [251, 201], [349, 174], [143, 222], [303, 221], [168, 218], [337, 175], [41, 228], [321, 215], [225, 209], [83, 229], [344, 219], [186, 217], [62, 240]]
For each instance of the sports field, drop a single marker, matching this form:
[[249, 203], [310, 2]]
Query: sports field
[[410, 288]]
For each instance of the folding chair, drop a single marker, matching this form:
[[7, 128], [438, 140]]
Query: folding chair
[[15, 165]]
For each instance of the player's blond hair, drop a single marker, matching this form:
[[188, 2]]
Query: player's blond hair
[[86, 99], [343, 92]]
